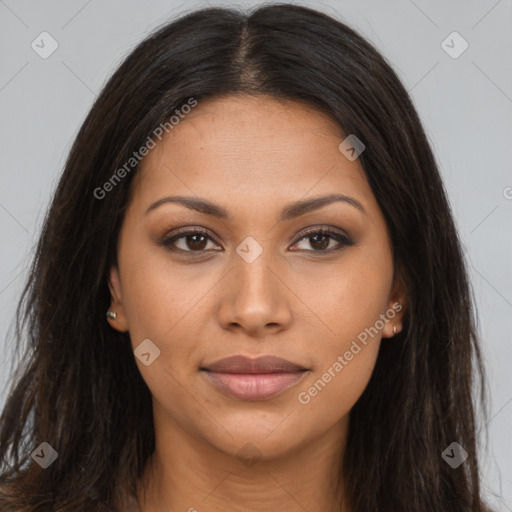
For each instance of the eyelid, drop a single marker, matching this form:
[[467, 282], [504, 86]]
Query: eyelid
[[325, 228]]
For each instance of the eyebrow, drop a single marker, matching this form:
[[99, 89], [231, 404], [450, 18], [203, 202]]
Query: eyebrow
[[289, 212]]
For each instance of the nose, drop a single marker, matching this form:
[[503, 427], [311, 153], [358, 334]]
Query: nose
[[255, 298]]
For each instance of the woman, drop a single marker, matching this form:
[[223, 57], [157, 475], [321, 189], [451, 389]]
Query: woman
[[249, 293]]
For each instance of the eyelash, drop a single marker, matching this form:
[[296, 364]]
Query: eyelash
[[342, 239]]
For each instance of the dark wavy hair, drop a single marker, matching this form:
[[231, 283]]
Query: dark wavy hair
[[77, 385]]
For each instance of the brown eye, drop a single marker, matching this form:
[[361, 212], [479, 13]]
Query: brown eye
[[320, 240], [190, 241], [195, 242]]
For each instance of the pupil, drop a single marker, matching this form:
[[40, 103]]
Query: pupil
[[194, 243], [323, 244]]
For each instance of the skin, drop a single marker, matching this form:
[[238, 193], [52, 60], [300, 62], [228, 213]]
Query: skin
[[253, 156]]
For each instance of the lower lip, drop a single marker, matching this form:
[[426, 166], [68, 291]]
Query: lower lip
[[254, 386]]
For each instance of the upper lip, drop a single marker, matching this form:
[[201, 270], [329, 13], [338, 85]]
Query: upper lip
[[262, 364]]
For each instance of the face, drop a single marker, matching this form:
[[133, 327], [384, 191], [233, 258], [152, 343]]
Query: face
[[252, 274]]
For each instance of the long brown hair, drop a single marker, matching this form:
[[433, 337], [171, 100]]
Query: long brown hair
[[77, 386]]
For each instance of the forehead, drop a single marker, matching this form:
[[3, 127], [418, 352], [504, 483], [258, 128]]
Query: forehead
[[256, 146]]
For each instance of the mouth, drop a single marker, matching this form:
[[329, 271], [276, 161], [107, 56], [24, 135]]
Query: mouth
[[252, 379]]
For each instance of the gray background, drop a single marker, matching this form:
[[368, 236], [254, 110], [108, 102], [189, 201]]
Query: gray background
[[465, 104]]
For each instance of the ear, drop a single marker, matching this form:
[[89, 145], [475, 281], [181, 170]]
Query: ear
[[116, 303], [396, 308]]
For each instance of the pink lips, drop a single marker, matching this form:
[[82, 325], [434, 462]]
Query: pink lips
[[253, 379]]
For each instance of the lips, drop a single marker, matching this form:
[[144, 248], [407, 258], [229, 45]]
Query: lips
[[263, 364], [253, 379]]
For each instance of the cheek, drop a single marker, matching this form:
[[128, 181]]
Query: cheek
[[358, 302], [348, 298], [155, 296], [162, 305], [350, 302], [333, 392]]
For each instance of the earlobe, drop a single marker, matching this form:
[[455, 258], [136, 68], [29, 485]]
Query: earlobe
[[397, 306], [115, 315]]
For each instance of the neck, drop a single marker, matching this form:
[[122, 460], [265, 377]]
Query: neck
[[186, 474]]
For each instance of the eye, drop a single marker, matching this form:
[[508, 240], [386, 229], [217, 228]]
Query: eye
[[196, 240], [192, 240], [320, 239]]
